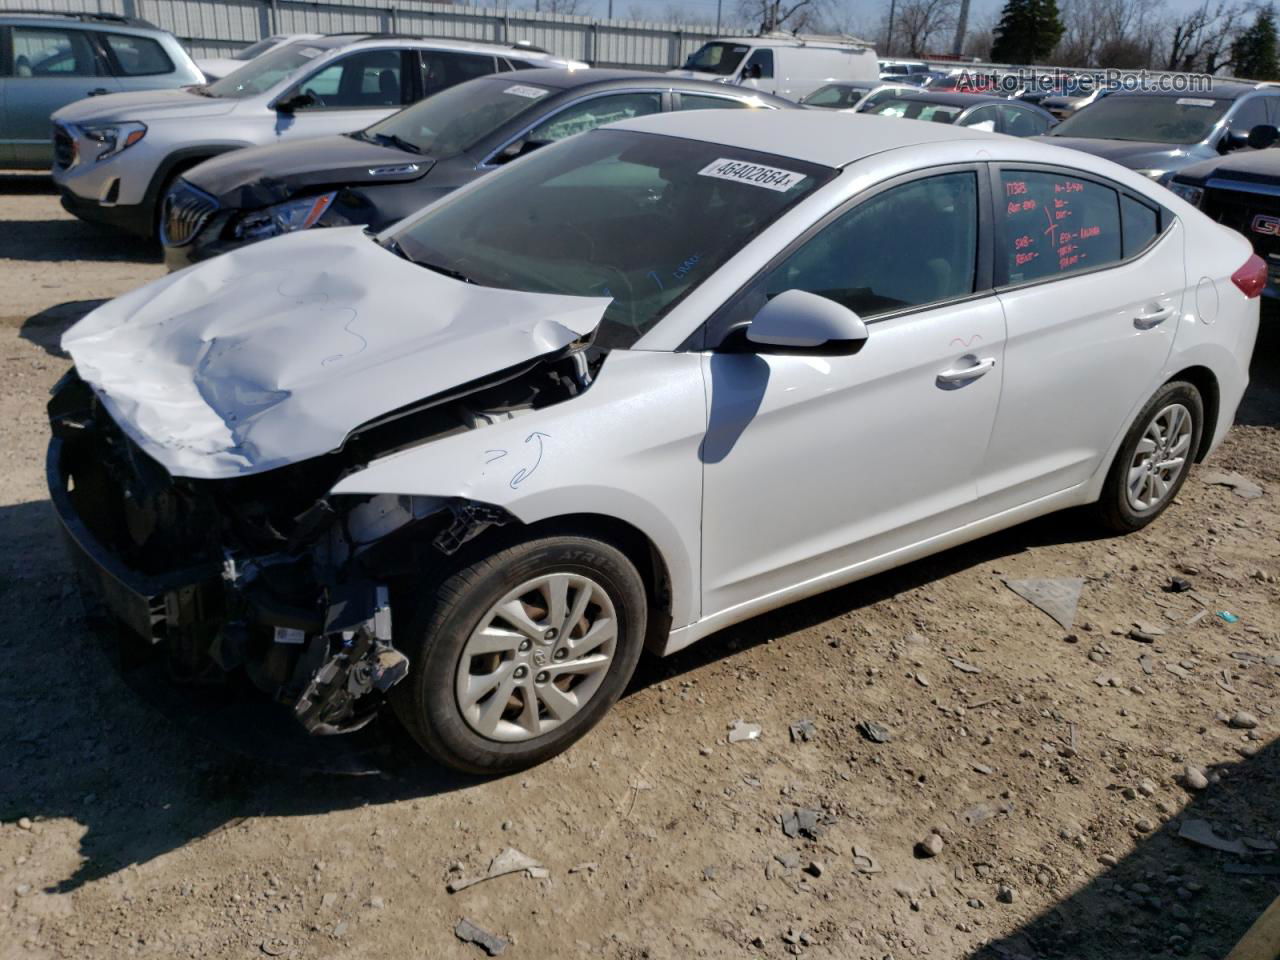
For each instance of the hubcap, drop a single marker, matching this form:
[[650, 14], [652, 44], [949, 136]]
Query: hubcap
[[537, 657], [1160, 458]]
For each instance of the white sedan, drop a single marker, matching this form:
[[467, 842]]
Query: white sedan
[[636, 387]]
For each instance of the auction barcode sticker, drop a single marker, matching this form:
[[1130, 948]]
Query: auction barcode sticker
[[520, 90], [1196, 102], [754, 174]]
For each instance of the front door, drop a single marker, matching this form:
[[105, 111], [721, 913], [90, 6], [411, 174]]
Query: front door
[[816, 463], [1092, 286], [50, 67]]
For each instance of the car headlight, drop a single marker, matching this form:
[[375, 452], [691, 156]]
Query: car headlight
[[111, 138], [1193, 195], [286, 217]]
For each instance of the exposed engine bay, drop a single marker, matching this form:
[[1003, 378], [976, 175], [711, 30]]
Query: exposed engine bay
[[269, 579]]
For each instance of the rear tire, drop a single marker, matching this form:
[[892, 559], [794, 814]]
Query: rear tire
[[1153, 460], [519, 654]]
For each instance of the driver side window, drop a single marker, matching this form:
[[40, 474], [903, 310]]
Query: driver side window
[[759, 66], [908, 246], [365, 80]]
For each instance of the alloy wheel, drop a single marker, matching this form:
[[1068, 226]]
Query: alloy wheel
[[1160, 458], [536, 657]]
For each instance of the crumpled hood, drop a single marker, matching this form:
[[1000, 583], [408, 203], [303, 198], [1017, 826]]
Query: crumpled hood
[[258, 176], [275, 353], [1135, 154], [144, 105]]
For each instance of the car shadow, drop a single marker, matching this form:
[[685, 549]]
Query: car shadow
[[45, 329], [146, 776], [1169, 896], [57, 241], [19, 182]]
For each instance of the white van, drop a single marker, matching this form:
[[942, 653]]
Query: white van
[[786, 65]]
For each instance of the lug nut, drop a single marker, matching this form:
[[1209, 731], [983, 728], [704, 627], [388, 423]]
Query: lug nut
[[561, 653], [525, 645], [520, 672], [541, 678], [551, 634]]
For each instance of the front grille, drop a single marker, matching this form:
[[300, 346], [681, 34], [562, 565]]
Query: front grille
[[185, 212], [1254, 214], [64, 148]]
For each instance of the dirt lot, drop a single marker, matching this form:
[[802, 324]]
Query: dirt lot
[[1052, 762]]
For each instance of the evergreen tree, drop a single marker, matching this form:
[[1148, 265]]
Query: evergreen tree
[[1028, 31], [1253, 55]]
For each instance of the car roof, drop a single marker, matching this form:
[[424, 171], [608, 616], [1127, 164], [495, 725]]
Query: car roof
[[334, 40], [103, 21], [828, 138], [561, 79]]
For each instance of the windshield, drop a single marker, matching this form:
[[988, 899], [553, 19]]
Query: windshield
[[256, 49], [457, 118], [835, 96], [639, 218], [719, 58], [918, 110], [260, 75], [1147, 119]]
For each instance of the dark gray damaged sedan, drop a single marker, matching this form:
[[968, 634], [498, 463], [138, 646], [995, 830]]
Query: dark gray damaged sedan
[[381, 174]]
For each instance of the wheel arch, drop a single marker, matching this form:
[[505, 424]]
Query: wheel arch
[[1204, 380]]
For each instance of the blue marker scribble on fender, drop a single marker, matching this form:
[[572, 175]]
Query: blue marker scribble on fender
[[522, 475]]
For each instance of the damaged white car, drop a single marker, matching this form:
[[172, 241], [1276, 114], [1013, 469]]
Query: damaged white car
[[641, 385]]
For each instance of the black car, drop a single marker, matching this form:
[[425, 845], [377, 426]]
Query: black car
[[1242, 191], [382, 174]]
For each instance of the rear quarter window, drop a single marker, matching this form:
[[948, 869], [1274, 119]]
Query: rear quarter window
[[137, 56], [1140, 224], [1054, 224]]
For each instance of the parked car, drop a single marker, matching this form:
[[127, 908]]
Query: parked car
[[215, 68], [1242, 191], [882, 92], [479, 460], [964, 81], [914, 72], [1157, 134], [48, 60], [840, 96], [781, 64], [992, 114], [397, 166], [116, 157], [1063, 105]]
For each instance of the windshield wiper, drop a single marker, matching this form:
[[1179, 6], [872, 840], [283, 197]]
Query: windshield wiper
[[395, 141]]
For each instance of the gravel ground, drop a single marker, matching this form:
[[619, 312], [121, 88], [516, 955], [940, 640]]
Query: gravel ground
[[1048, 766]]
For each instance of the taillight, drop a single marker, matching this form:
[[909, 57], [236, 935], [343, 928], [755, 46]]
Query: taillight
[[1252, 277]]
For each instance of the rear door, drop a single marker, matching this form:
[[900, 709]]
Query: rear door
[[1091, 279], [6, 71], [51, 67]]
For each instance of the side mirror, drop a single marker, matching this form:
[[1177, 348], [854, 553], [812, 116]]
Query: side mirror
[[1262, 136], [298, 101], [804, 322], [518, 149]]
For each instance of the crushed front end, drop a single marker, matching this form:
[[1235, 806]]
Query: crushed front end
[[246, 580]]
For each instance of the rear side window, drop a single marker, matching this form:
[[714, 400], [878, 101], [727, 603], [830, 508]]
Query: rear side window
[[1054, 224], [137, 56], [908, 246], [41, 52], [698, 101], [1140, 224], [595, 112], [441, 69]]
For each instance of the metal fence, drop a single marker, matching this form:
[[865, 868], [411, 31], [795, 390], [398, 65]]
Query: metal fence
[[211, 28]]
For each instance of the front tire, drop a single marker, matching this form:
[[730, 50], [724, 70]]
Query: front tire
[[1154, 459], [518, 655]]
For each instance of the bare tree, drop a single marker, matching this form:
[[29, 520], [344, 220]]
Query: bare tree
[[921, 25], [1202, 39], [573, 8], [793, 15]]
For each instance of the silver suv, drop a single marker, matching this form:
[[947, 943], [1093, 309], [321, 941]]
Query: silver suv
[[48, 60], [115, 157]]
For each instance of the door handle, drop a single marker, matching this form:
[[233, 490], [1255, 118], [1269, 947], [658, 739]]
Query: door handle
[[100, 92], [1152, 316], [961, 375]]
